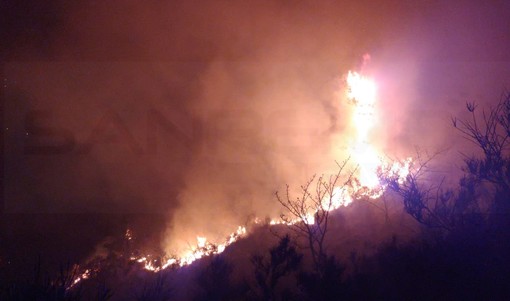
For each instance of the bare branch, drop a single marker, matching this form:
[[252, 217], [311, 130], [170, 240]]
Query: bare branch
[[308, 214]]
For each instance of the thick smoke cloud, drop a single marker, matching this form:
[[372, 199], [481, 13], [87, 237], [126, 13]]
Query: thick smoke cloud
[[203, 109], [265, 125]]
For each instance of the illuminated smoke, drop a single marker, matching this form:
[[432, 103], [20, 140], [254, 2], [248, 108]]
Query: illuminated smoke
[[370, 166]]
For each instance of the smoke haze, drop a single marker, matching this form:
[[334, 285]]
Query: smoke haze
[[203, 109]]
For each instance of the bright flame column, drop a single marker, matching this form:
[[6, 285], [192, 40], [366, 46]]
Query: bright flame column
[[362, 92]]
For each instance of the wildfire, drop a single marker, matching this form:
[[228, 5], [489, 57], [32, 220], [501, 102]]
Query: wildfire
[[362, 93], [340, 197], [84, 275], [202, 248], [371, 167], [371, 164]]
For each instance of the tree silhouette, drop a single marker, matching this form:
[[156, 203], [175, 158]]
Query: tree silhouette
[[326, 285], [283, 259], [490, 132], [216, 283], [486, 180], [427, 201]]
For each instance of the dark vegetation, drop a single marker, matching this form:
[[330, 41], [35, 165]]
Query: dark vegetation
[[462, 251]]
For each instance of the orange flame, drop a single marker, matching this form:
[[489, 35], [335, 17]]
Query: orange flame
[[362, 93]]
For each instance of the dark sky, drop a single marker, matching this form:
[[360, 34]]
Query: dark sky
[[281, 30], [203, 108]]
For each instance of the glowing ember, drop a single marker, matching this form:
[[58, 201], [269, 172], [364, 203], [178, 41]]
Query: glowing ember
[[82, 276], [128, 235]]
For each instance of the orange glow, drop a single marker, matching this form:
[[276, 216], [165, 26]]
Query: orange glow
[[361, 92], [202, 248]]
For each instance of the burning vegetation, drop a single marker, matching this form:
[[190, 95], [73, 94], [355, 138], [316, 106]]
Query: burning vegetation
[[459, 223], [225, 150], [309, 212]]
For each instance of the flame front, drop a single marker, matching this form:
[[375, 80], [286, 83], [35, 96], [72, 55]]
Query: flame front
[[202, 248]]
